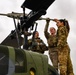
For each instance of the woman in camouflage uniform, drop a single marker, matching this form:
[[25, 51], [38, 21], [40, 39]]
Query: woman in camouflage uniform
[[65, 64], [37, 45], [52, 41]]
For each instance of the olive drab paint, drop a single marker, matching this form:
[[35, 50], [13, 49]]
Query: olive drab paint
[[15, 61], [30, 62]]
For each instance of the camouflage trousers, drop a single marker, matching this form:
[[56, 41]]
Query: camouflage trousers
[[53, 54], [65, 64]]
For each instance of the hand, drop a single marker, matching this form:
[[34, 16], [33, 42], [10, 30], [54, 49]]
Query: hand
[[47, 19], [55, 20]]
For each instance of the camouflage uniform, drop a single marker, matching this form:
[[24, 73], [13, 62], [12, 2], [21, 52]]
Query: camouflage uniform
[[37, 46], [65, 64], [52, 42]]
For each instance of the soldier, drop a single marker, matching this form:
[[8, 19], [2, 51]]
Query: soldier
[[52, 41], [65, 64], [37, 45]]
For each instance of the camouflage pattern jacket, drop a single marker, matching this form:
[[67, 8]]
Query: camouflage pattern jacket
[[51, 40], [62, 35], [37, 45]]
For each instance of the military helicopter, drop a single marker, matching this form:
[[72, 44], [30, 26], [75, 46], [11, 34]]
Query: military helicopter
[[17, 61]]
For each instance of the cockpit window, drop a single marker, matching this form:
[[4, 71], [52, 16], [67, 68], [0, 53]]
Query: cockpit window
[[4, 62], [19, 61]]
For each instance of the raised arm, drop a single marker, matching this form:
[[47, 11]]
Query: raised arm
[[46, 28]]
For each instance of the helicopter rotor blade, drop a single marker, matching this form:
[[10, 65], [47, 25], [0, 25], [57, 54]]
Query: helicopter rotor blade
[[41, 18], [13, 15], [18, 15]]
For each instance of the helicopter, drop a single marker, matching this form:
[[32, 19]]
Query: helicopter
[[17, 61]]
